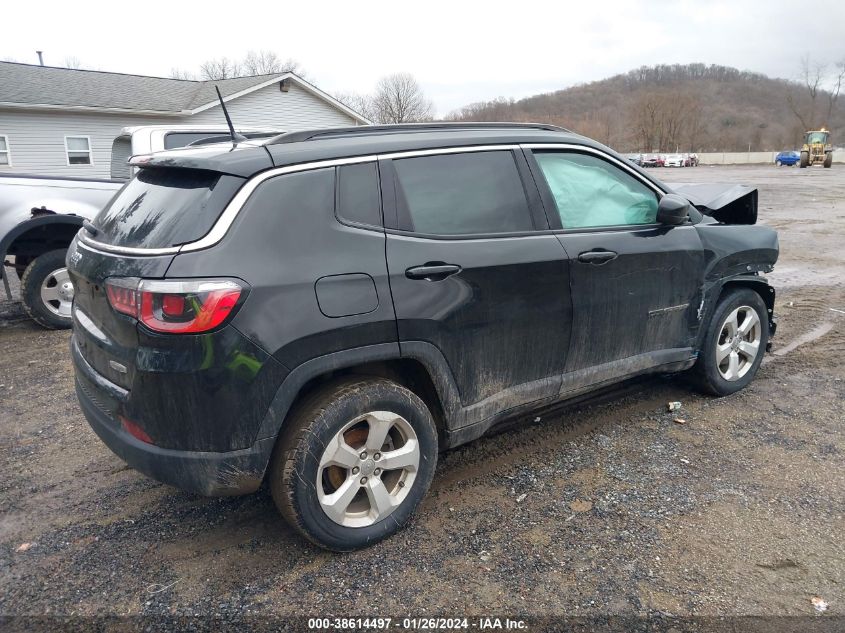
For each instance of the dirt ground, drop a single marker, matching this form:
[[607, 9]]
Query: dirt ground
[[608, 509]]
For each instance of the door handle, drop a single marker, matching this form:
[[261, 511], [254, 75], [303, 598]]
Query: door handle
[[597, 257], [432, 272]]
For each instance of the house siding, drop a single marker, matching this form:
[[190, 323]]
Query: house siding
[[297, 109], [37, 138]]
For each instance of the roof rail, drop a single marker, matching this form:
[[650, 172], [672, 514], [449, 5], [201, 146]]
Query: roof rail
[[340, 132]]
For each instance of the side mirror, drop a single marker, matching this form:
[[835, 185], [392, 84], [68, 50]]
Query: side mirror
[[672, 209]]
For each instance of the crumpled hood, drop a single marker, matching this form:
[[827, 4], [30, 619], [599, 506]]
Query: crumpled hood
[[727, 203]]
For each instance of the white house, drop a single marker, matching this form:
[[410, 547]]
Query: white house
[[61, 121]]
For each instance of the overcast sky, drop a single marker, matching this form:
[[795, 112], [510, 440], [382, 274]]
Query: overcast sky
[[460, 52]]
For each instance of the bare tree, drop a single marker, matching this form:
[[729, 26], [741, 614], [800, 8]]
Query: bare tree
[[812, 76], [265, 62], [261, 62], [221, 68], [835, 88], [400, 99], [499, 109], [362, 104], [73, 62], [696, 127], [647, 122], [179, 73]]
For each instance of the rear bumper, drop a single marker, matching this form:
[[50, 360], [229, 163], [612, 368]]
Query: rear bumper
[[206, 473]]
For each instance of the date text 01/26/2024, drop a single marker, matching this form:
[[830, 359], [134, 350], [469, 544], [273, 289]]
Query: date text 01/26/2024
[[415, 624]]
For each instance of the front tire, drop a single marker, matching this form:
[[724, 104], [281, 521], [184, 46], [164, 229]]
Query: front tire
[[356, 459], [734, 344], [47, 292], [828, 160], [778, 163], [804, 161]]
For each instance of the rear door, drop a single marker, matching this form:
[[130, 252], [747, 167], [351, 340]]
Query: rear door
[[471, 274], [636, 284]]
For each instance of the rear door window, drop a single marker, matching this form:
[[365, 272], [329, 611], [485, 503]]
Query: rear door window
[[165, 207], [461, 194]]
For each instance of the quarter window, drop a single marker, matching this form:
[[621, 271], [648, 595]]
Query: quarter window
[[461, 194], [5, 156], [358, 197], [78, 150], [591, 192]]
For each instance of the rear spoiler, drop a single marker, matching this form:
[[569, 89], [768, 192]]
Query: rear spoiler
[[729, 204], [244, 159]]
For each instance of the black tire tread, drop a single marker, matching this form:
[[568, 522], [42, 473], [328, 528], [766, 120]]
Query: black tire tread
[[308, 416]]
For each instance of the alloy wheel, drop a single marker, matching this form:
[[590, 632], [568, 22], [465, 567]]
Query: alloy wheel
[[367, 469], [738, 343], [57, 292]]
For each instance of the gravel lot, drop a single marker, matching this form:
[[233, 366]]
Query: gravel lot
[[611, 508]]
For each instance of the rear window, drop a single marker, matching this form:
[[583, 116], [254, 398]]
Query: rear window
[[358, 194], [165, 207]]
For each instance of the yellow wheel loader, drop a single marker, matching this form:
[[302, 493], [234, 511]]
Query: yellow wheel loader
[[817, 149]]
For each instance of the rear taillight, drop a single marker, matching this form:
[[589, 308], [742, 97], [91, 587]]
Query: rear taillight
[[175, 307]]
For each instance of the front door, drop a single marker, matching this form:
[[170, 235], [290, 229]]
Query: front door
[[636, 284], [471, 275]]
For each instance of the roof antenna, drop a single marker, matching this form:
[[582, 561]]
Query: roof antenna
[[236, 138]]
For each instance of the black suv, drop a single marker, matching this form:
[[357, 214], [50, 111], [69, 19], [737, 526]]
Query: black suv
[[331, 309]]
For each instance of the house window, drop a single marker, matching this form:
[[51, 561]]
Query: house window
[[78, 150], [5, 156]]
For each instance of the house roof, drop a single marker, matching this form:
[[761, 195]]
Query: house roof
[[32, 86]]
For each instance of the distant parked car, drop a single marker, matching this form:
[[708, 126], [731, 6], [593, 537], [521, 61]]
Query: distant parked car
[[676, 160], [637, 159], [653, 160], [787, 158]]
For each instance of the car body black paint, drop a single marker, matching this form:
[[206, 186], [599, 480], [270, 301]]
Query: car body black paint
[[643, 300], [285, 239], [521, 323], [347, 294], [188, 389], [509, 303]]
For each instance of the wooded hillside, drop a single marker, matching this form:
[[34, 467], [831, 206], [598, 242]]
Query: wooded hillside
[[692, 107]]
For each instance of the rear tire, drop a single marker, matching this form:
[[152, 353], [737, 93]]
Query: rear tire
[[778, 163], [326, 474], [46, 291], [738, 327]]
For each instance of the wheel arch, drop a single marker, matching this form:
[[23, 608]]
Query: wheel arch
[[429, 378], [758, 284], [39, 235]]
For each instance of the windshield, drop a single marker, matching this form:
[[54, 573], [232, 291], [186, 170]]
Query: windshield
[[165, 207], [817, 137]]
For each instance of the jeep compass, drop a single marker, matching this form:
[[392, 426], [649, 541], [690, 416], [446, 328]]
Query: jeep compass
[[328, 310]]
